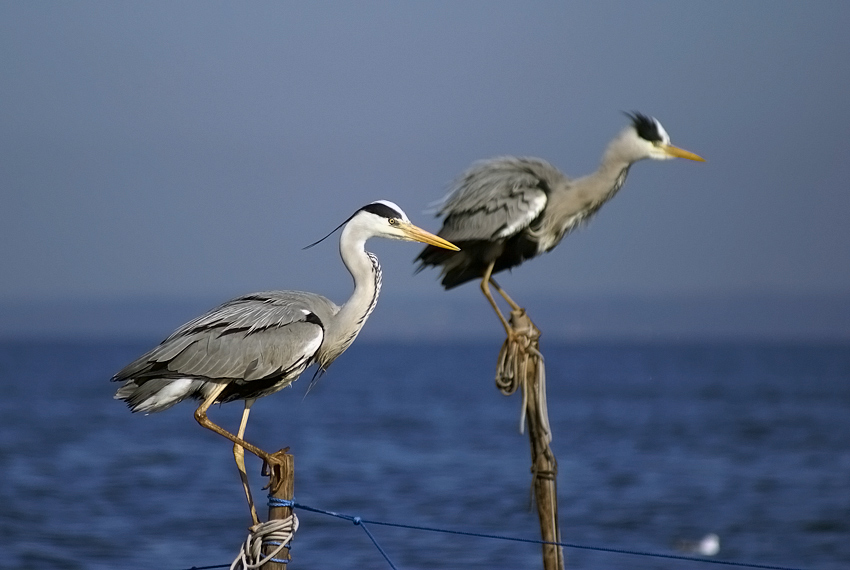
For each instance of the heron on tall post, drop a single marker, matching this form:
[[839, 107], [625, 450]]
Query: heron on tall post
[[257, 344], [506, 210]]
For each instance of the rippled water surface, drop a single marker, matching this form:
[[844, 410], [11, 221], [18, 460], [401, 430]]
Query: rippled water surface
[[655, 443]]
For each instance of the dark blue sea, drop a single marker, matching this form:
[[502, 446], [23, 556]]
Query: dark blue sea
[[655, 443]]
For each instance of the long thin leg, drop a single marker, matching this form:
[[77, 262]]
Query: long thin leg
[[485, 288], [273, 460], [239, 456], [504, 295]]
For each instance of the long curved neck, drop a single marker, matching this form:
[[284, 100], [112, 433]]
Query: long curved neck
[[613, 169], [366, 273], [578, 200]]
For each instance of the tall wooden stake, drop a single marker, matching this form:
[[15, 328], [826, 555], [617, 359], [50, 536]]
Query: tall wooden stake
[[285, 491], [544, 469], [521, 364]]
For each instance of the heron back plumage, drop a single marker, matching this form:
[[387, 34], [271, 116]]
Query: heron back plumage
[[491, 212], [257, 344]]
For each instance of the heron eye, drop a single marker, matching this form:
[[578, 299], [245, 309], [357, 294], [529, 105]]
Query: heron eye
[[393, 221]]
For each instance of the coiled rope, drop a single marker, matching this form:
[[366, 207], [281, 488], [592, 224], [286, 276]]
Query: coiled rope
[[276, 532], [518, 353]]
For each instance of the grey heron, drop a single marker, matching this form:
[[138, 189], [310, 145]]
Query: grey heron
[[506, 210], [257, 344]]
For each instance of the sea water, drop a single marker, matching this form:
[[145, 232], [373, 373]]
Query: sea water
[[655, 443]]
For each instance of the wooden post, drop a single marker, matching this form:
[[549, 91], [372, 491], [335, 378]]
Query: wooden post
[[521, 365], [544, 469], [285, 491]]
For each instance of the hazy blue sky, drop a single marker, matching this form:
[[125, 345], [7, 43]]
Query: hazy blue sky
[[180, 149]]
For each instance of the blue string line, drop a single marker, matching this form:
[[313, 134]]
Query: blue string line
[[359, 522], [274, 502]]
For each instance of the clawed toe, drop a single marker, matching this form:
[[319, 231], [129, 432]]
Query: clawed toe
[[273, 469]]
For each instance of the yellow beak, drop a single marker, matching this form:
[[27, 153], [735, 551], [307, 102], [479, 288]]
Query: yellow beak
[[681, 153], [415, 233]]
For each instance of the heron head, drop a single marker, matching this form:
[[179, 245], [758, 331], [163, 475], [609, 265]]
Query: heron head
[[649, 140], [386, 219]]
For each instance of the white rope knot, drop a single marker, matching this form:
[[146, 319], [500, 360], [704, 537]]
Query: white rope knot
[[276, 530], [518, 352]]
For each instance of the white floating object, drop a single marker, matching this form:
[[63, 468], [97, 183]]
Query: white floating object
[[709, 545]]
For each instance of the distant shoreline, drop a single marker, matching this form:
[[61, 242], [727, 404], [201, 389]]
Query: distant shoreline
[[447, 317]]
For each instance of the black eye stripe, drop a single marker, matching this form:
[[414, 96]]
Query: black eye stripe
[[382, 210]]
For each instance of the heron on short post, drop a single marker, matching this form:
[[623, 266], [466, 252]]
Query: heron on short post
[[255, 345], [506, 210]]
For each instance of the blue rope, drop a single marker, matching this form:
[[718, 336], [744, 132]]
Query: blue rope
[[276, 543], [359, 522], [273, 502]]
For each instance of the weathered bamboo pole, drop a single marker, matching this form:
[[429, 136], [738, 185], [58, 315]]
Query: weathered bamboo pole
[[285, 491], [544, 469], [521, 365]]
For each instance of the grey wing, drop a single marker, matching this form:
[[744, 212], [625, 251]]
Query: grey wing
[[496, 198], [264, 335]]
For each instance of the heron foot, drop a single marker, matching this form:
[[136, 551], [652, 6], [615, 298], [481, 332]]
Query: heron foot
[[522, 325], [519, 346], [273, 469]]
